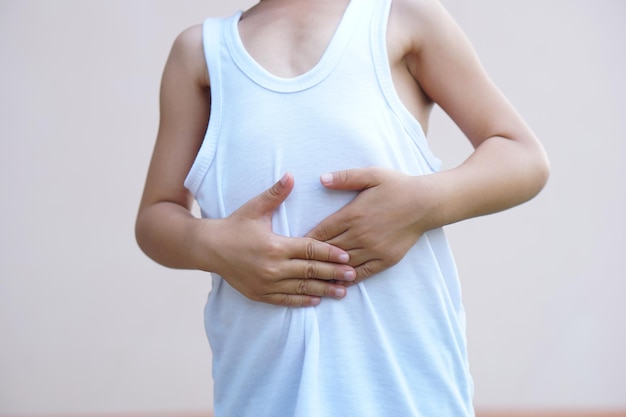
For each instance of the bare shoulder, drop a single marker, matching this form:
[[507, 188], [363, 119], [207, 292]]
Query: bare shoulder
[[417, 8], [419, 21], [187, 53]]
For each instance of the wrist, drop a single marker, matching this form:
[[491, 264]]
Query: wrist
[[431, 201], [200, 235]]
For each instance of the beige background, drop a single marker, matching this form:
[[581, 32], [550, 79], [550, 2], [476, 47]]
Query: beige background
[[89, 325]]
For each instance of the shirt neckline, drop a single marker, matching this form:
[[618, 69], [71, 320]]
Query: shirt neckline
[[322, 69]]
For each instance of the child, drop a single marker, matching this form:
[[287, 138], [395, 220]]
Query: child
[[328, 100]]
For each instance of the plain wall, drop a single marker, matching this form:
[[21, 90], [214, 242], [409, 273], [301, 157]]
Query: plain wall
[[88, 324]]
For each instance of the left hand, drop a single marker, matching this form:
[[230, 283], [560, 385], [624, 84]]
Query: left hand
[[387, 217]]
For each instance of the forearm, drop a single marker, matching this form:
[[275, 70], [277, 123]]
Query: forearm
[[243, 249], [501, 173], [166, 231]]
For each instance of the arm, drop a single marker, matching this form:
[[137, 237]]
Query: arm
[[241, 248], [508, 165]]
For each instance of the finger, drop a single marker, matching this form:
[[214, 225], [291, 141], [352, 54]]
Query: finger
[[359, 256], [269, 200], [311, 288], [329, 228], [292, 300], [350, 179], [312, 249], [368, 269], [317, 270]]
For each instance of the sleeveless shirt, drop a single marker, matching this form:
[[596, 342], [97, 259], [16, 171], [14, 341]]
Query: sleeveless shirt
[[396, 344]]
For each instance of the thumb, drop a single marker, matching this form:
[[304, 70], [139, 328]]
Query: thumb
[[266, 203], [351, 179]]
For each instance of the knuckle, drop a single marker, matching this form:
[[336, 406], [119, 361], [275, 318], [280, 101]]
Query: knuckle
[[287, 300], [365, 271], [310, 270], [310, 250], [268, 272], [321, 232], [273, 247], [264, 269], [302, 287]]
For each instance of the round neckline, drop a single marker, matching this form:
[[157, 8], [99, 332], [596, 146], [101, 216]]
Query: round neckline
[[322, 69]]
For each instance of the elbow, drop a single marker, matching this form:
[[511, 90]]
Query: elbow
[[542, 168], [141, 234], [543, 172], [539, 171]]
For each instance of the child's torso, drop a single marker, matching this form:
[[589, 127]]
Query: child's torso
[[395, 345]]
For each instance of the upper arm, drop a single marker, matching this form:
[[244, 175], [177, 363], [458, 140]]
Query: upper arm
[[184, 114], [448, 70]]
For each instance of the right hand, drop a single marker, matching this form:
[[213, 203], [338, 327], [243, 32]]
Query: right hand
[[275, 269]]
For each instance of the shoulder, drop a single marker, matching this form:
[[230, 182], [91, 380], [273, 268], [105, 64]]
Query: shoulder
[[187, 53], [413, 6], [419, 22], [418, 11], [189, 40]]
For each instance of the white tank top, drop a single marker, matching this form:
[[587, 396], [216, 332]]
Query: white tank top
[[396, 345]]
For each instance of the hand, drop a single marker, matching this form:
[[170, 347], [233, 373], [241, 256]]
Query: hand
[[385, 219], [276, 269]]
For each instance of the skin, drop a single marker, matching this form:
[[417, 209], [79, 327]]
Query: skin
[[431, 62]]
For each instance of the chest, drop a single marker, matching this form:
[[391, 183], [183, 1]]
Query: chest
[[290, 40]]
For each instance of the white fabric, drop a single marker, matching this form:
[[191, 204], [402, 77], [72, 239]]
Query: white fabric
[[395, 346]]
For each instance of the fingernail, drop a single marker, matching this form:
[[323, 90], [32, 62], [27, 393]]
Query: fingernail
[[327, 178], [283, 180], [340, 292], [349, 275], [315, 302], [344, 258]]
